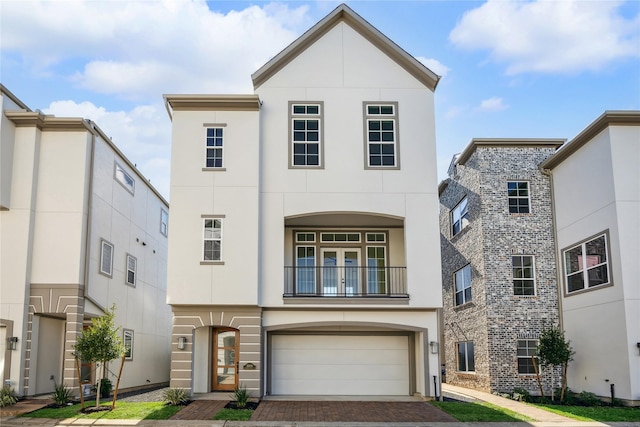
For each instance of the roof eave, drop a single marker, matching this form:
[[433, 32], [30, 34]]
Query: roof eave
[[506, 142], [213, 102]]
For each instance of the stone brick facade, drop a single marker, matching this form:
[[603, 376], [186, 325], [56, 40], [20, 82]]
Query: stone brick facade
[[495, 318]]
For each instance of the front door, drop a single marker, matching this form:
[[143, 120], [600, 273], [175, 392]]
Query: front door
[[340, 271], [226, 342]]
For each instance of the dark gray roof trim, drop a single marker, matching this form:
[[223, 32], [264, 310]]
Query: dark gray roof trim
[[345, 14], [608, 118], [506, 142]]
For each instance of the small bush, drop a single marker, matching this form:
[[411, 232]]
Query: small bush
[[105, 387], [62, 395], [587, 398], [240, 396], [176, 396], [521, 395], [8, 396]]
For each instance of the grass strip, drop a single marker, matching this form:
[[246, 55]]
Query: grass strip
[[479, 412], [594, 413], [234, 414], [123, 411]]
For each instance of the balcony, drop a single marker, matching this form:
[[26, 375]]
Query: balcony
[[345, 282]]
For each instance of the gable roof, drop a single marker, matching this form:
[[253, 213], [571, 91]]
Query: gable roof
[[345, 14]]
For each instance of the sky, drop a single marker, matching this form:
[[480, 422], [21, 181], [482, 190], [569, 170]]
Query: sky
[[510, 69]]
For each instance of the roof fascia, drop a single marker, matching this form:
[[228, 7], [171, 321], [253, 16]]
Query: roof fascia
[[506, 142], [365, 29], [10, 95], [608, 118], [213, 102]]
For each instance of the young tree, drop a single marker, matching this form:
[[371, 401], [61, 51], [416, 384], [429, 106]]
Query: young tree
[[555, 350], [100, 343]]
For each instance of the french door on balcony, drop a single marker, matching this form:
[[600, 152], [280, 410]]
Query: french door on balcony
[[340, 272]]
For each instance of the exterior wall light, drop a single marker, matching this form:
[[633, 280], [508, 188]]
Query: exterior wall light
[[12, 343], [434, 347], [182, 343]]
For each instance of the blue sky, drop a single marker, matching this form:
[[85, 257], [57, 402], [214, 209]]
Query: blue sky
[[525, 69]]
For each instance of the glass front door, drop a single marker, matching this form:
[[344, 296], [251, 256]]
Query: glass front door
[[225, 356], [340, 271]]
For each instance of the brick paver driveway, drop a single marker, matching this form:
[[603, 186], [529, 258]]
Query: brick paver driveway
[[381, 412]]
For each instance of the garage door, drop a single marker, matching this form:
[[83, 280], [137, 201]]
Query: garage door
[[339, 365]]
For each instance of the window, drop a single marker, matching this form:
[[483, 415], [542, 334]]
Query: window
[[127, 339], [466, 358], [518, 192], [586, 265], [459, 217], [526, 350], [106, 258], [462, 279], [132, 264], [381, 135], [164, 222], [124, 179], [523, 275], [306, 134], [340, 237], [306, 271], [212, 239], [214, 147], [376, 271]]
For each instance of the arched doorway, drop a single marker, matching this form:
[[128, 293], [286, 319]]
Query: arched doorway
[[226, 343]]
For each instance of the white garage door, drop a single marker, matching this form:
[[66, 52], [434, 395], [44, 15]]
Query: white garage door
[[339, 365]]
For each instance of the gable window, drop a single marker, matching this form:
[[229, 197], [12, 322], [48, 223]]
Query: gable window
[[523, 275], [124, 178], [164, 222], [214, 147], [306, 134], [518, 194], [462, 282], [106, 258], [586, 265], [132, 265], [381, 135], [466, 357], [127, 340], [212, 239], [460, 217], [526, 350]]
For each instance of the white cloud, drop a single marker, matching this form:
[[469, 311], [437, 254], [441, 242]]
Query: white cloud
[[140, 49], [492, 104], [434, 65], [565, 36], [143, 134]]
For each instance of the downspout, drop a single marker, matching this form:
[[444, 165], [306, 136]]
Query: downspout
[[554, 226]]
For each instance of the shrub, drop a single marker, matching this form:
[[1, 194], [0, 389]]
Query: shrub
[[521, 395], [7, 396], [105, 387], [61, 395], [176, 396], [240, 396], [587, 398]]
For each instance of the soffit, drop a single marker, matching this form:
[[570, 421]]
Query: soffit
[[213, 102], [344, 220]]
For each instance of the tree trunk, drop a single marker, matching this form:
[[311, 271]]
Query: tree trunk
[[115, 393], [564, 381], [99, 371], [535, 367]]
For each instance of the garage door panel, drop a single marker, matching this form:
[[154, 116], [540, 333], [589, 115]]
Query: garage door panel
[[343, 365]]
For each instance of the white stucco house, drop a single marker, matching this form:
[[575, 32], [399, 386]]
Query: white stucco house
[[80, 229], [304, 256], [596, 203]]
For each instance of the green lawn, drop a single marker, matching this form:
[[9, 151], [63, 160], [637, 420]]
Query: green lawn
[[234, 414], [123, 411], [594, 413], [482, 411]]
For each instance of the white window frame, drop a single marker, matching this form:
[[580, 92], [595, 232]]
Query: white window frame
[[128, 335], [131, 267], [379, 117], [213, 139], [164, 222], [465, 272], [584, 262], [306, 274], [104, 244], [213, 237], [466, 345], [517, 273], [297, 116], [460, 216], [528, 351], [518, 196], [123, 178]]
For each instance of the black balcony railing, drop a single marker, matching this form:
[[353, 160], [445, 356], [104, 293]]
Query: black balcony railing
[[345, 282]]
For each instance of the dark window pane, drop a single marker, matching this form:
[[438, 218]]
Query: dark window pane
[[313, 160], [572, 260], [387, 136], [575, 282], [387, 161], [387, 125], [373, 109], [387, 149], [312, 136], [298, 136], [374, 125], [312, 109], [298, 109], [386, 109], [312, 125], [598, 275], [374, 161], [375, 149], [312, 148], [298, 160], [374, 136], [299, 124], [219, 132]]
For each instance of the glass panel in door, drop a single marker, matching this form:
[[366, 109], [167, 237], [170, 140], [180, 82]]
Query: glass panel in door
[[340, 272], [225, 351]]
